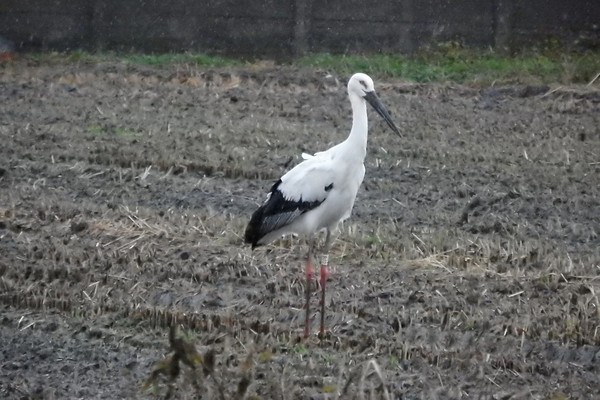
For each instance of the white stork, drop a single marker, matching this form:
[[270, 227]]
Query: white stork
[[319, 193]]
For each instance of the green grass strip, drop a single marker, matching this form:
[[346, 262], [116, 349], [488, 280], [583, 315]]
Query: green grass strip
[[447, 63]]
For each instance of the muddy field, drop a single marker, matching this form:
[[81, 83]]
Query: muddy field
[[469, 269]]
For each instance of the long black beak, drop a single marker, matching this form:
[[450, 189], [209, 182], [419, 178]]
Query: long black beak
[[374, 101]]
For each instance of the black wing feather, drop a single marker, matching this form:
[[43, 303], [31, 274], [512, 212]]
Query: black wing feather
[[274, 214]]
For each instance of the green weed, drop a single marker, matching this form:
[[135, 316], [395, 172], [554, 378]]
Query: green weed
[[203, 60], [455, 64], [125, 132], [99, 130], [96, 130]]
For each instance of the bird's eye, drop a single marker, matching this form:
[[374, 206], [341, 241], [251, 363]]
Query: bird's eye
[[363, 83]]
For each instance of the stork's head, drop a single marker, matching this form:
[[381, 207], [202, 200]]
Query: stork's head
[[362, 85]]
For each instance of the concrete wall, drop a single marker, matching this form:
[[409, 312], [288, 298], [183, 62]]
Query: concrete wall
[[289, 27]]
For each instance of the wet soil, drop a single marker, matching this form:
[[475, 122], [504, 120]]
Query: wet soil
[[469, 268]]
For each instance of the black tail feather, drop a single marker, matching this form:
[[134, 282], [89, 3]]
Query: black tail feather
[[253, 230], [276, 213]]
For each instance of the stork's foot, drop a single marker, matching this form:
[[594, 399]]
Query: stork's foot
[[325, 334]]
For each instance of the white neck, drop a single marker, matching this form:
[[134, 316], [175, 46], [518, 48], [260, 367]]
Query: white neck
[[360, 126]]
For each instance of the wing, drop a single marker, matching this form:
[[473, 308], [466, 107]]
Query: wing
[[302, 189], [308, 180]]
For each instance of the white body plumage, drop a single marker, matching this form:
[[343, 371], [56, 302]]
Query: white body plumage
[[320, 192]]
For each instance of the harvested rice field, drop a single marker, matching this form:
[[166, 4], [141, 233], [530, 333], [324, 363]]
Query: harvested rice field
[[470, 268]]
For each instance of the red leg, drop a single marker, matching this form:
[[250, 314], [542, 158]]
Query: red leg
[[309, 278], [324, 276]]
